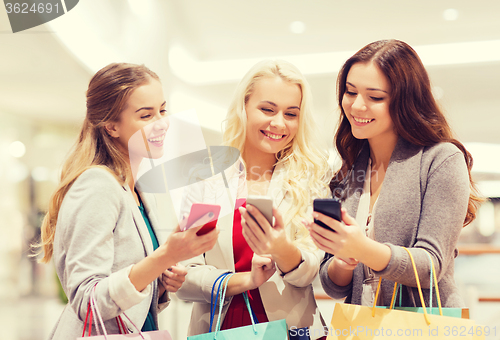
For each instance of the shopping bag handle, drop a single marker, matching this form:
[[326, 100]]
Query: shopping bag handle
[[221, 292], [427, 320], [213, 305], [95, 311], [252, 315], [433, 280], [225, 281]]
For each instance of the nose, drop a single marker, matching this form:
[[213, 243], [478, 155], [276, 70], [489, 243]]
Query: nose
[[359, 103], [278, 121], [162, 123]]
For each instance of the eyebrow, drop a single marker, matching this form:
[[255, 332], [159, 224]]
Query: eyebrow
[[273, 104], [151, 108], [369, 89]]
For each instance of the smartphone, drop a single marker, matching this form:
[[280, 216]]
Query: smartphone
[[329, 207], [198, 210], [264, 204]]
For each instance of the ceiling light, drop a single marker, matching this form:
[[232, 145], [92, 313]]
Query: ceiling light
[[17, 149], [450, 14], [199, 72], [297, 27]]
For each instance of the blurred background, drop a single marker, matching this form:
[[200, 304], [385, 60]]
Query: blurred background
[[200, 49]]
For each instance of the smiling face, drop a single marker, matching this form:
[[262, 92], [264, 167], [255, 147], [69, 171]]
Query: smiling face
[[143, 123], [366, 103], [273, 111]]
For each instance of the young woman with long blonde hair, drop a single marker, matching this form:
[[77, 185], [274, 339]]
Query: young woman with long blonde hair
[[270, 121]]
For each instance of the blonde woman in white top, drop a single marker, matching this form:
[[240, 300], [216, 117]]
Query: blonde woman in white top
[[270, 122]]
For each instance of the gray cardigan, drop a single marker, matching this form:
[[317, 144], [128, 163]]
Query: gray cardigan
[[100, 234], [422, 205]]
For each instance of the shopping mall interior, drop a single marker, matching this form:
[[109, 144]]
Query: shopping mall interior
[[200, 50]]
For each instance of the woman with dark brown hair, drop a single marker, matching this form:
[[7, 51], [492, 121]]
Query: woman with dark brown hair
[[404, 182], [100, 230]]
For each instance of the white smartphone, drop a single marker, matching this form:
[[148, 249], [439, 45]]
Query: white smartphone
[[264, 204]]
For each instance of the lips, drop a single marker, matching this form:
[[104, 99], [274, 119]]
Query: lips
[[272, 136], [157, 140], [362, 121]]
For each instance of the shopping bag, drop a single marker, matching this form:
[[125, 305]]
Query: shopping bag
[[453, 312], [363, 322], [449, 311], [263, 331], [94, 311], [272, 330]]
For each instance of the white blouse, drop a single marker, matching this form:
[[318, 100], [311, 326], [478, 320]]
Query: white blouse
[[365, 221]]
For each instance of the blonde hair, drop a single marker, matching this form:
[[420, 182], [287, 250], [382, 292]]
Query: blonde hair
[[304, 157], [108, 92]]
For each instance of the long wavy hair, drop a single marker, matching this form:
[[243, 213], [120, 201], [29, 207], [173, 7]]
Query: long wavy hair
[[303, 157], [108, 92], [416, 115]]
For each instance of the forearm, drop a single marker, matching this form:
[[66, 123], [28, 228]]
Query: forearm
[[373, 254], [239, 283], [150, 268], [340, 276], [288, 258]]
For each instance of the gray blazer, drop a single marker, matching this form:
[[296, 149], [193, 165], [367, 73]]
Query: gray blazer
[[100, 234], [422, 205]]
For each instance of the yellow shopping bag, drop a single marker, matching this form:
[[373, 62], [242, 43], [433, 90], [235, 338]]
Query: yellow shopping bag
[[362, 322]]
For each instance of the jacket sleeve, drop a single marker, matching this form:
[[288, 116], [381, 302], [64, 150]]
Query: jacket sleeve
[[84, 246], [443, 210], [330, 288], [305, 273], [199, 281]]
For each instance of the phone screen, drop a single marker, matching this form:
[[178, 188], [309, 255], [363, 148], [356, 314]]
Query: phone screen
[[329, 207]]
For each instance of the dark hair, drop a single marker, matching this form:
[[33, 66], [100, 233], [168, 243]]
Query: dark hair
[[416, 116]]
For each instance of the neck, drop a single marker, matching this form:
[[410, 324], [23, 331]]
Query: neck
[[381, 150], [133, 170], [259, 165]]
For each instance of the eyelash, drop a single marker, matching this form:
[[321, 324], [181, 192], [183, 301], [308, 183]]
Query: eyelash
[[268, 111], [377, 99], [162, 112]]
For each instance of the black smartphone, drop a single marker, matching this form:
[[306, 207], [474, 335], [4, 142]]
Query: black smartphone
[[329, 207]]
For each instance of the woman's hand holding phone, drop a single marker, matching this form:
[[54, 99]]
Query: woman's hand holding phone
[[344, 240], [183, 245], [265, 239], [260, 235]]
